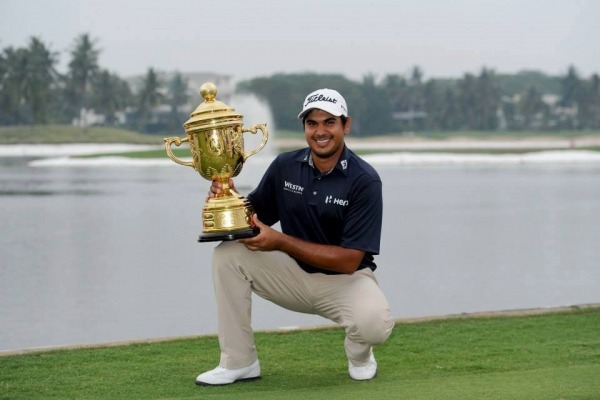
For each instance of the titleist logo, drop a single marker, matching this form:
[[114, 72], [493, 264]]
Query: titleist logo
[[319, 97]]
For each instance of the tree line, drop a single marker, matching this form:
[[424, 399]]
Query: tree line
[[527, 101], [33, 92]]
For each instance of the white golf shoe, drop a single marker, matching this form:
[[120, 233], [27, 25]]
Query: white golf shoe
[[223, 376], [364, 372]]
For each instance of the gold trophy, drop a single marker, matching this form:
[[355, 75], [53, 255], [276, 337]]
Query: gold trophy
[[215, 136]]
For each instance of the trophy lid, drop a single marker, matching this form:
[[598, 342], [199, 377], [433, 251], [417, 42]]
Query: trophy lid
[[211, 113]]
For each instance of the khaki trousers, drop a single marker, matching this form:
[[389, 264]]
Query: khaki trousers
[[353, 301]]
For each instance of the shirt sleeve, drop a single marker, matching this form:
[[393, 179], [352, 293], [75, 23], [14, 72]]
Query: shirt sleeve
[[264, 197], [362, 229]]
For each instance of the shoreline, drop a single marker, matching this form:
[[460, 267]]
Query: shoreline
[[377, 150], [71, 149], [374, 143], [415, 143], [410, 320]]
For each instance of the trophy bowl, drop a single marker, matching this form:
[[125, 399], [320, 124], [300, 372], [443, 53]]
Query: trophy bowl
[[215, 136]]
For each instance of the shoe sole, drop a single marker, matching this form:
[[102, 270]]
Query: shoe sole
[[225, 384], [364, 380]]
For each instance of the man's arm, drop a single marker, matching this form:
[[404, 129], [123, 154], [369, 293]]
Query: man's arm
[[328, 257]]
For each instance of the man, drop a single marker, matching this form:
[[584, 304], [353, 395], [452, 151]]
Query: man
[[329, 205]]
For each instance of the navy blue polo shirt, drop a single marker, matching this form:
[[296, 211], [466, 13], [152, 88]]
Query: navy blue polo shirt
[[342, 208]]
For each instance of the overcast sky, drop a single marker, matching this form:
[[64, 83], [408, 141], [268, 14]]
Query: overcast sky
[[250, 38]]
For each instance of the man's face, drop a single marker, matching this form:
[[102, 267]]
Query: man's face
[[324, 133]]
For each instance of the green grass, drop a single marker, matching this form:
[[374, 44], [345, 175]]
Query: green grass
[[159, 153], [547, 356], [59, 134]]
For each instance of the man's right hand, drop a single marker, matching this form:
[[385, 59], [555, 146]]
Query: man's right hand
[[216, 188]]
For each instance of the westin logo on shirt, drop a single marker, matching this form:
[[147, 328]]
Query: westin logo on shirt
[[290, 187]]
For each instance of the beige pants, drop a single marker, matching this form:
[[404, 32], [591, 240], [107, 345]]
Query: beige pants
[[353, 301]]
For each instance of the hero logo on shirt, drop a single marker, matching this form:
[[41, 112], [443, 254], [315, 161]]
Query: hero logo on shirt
[[333, 200], [290, 187]]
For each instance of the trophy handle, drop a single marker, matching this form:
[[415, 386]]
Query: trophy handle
[[177, 141], [253, 129]]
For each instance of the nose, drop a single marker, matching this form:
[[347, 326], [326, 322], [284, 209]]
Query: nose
[[321, 129]]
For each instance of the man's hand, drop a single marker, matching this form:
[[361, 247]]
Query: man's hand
[[216, 189], [267, 240], [329, 257]]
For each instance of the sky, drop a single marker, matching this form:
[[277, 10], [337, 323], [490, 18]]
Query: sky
[[248, 39]]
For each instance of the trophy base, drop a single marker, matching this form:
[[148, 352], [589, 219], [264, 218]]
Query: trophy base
[[233, 235]]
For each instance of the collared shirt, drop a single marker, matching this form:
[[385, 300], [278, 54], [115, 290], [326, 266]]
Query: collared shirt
[[343, 207]]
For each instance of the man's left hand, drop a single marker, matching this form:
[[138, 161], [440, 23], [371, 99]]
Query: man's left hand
[[266, 240]]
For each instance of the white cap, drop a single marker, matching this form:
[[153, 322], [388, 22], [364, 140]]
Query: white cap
[[327, 100]]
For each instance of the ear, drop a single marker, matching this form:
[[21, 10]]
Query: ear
[[347, 126]]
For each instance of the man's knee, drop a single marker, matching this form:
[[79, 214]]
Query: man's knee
[[371, 326]]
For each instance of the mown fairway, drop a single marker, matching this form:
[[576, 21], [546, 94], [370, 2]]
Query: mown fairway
[[549, 356]]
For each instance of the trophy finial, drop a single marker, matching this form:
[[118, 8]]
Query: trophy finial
[[208, 91], [211, 113]]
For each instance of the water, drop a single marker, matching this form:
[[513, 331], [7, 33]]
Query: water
[[100, 254]]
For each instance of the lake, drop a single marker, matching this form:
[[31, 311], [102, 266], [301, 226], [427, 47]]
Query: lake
[[105, 250]]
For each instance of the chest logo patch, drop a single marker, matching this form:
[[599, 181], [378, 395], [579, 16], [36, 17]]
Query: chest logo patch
[[290, 187], [334, 200]]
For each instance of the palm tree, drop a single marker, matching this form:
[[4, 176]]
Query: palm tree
[[377, 109], [586, 97], [416, 102], [177, 96], [570, 88], [111, 94], [592, 101], [450, 113], [467, 100], [40, 77], [13, 65], [532, 108], [488, 102], [82, 69], [432, 104], [148, 98], [394, 87]]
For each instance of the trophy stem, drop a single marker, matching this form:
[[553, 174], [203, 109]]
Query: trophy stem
[[226, 190]]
